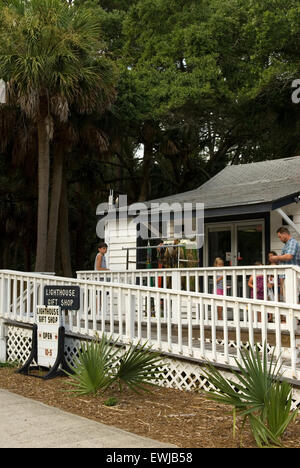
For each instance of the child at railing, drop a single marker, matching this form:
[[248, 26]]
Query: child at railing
[[259, 288], [219, 263], [100, 260], [259, 285], [270, 278], [271, 285]]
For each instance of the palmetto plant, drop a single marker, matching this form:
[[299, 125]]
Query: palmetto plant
[[138, 366], [102, 362], [93, 367], [256, 393]]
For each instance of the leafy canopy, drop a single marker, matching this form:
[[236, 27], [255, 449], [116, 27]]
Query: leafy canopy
[[54, 49]]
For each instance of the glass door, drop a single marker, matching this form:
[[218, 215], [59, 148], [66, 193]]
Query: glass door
[[219, 244], [238, 244], [250, 245]]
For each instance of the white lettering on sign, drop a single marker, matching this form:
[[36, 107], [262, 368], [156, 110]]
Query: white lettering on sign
[[67, 302], [48, 322], [52, 302], [60, 292]]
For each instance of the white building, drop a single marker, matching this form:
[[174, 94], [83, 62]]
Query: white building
[[243, 207]]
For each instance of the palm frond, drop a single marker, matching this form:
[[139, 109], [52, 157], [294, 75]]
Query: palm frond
[[257, 394], [48, 46], [102, 362], [138, 367], [93, 366]]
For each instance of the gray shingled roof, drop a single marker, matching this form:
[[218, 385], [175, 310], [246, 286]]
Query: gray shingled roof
[[245, 184]]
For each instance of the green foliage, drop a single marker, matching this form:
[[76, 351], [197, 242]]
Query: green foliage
[[9, 364], [256, 394], [100, 364], [48, 47], [278, 413], [213, 78], [92, 368], [111, 401], [138, 367]]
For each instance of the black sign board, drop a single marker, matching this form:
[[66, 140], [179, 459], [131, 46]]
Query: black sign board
[[65, 297]]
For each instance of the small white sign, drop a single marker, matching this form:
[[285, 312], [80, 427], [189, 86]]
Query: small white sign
[[2, 92], [48, 323], [228, 256]]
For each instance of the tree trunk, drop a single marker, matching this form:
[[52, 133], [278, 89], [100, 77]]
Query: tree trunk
[[64, 235], [27, 258], [43, 193], [147, 163], [148, 137], [6, 256], [54, 208]]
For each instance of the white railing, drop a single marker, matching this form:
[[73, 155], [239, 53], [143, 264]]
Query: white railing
[[285, 280], [296, 279], [194, 325]]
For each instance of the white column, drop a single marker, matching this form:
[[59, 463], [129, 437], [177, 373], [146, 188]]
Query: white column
[[2, 342], [290, 286], [130, 315], [176, 280]]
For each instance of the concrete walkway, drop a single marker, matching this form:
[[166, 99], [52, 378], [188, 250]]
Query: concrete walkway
[[26, 423]]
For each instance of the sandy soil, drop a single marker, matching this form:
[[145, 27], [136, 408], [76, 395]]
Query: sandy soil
[[185, 419]]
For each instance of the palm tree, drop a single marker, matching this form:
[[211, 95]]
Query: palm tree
[[52, 58], [72, 140], [17, 207], [63, 140]]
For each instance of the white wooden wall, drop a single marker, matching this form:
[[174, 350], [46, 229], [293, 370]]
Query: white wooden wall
[[117, 236]]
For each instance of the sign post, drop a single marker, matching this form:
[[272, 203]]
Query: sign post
[[48, 334], [48, 344]]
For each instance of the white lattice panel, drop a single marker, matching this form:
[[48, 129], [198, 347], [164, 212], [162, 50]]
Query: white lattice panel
[[71, 346], [183, 375], [178, 374], [18, 344]]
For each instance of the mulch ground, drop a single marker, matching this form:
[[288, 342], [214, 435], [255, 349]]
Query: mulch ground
[[185, 419]]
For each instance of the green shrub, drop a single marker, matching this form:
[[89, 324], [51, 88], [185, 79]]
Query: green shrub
[[256, 394], [9, 364], [100, 364], [138, 367], [91, 370], [111, 401]]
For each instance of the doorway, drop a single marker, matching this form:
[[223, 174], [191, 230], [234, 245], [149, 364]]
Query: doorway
[[239, 243], [219, 240], [250, 244]]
